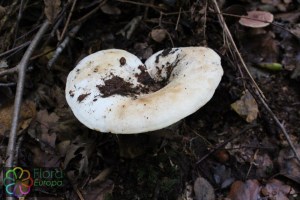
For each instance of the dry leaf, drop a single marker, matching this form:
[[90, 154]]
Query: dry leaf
[[2, 12], [275, 189], [246, 107], [289, 166], [110, 10], [203, 190], [263, 163], [99, 192], [28, 111], [257, 19], [43, 159], [47, 122], [52, 8], [158, 35], [78, 157], [248, 190]]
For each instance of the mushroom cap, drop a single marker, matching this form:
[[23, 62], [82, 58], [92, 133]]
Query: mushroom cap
[[98, 89]]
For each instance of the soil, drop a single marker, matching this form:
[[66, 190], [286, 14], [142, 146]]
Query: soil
[[218, 142]]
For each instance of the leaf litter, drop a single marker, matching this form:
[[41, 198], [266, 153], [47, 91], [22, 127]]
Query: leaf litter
[[162, 165]]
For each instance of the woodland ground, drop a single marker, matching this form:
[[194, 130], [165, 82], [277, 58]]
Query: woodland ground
[[224, 150]]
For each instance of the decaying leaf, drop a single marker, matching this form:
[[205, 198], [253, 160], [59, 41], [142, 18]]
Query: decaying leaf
[[99, 192], [28, 112], [289, 166], [47, 122], [246, 107], [101, 177], [110, 10], [158, 35], [257, 19], [44, 159], [77, 157], [52, 9], [248, 190], [203, 190], [264, 164], [276, 189], [2, 11], [187, 193]]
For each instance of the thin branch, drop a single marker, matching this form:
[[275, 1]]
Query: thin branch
[[230, 38], [18, 20], [85, 17], [63, 45], [18, 48], [7, 84], [9, 71], [257, 90], [10, 152], [68, 21]]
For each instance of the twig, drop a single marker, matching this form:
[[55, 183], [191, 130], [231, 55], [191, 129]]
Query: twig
[[19, 93], [85, 17], [7, 84], [178, 19], [140, 4], [257, 90], [63, 45], [128, 30], [230, 38], [68, 21], [18, 146], [15, 48], [252, 163], [225, 142], [9, 71], [18, 20]]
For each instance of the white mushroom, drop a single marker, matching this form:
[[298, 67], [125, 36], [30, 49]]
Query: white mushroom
[[113, 91]]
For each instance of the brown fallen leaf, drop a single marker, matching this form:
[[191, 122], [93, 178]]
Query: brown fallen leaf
[[248, 190], [110, 10], [47, 122], [43, 159], [52, 9], [276, 189], [27, 113], [289, 165], [99, 192], [78, 157], [203, 190], [2, 12], [257, 19], [264, 164], [246, 107]]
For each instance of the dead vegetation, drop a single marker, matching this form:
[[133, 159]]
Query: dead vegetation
[[244, 144]]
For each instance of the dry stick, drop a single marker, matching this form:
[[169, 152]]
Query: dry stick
[[18, 99], [62, 46], [68, 21], [85, 17], [18, 20], [257, 90], [15, 48], [9, 71]]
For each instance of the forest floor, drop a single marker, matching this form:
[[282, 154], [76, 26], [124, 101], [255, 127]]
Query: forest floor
[[233, 147]]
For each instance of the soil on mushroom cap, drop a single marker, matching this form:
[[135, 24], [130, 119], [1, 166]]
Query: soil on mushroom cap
[[118, 86]]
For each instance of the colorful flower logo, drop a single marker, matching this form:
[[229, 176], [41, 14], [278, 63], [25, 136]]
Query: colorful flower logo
[[17, 182]]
